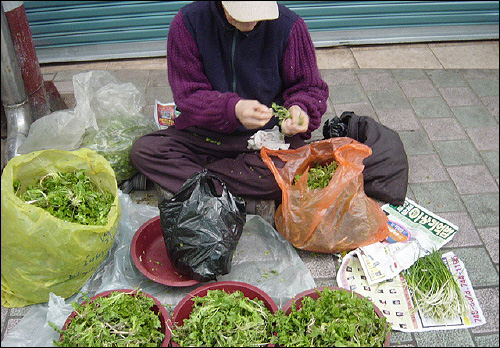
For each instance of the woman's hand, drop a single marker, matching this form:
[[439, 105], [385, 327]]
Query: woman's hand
[[297, 123], [252, 114]]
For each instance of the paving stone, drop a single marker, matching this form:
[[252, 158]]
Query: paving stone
[[491, 103], [480, 269], [443, 129], [490, 237], [347, 94], [139, 78], [398, 119], [484, 87], [446, 78], [378, 81], [444, 338], [162, 94], [471, 179], [320, 265], [387, 99], [491, 160], [484, 138], [430, 107], [477, 73], [360, 109], [416, 142], [467, 234], [487, 340], [437, 196], [339, 77], [457, 152], [399, 337], [483, 208], [425, 168], [418, 88], [474, 116], [459, 96], [408, 74]]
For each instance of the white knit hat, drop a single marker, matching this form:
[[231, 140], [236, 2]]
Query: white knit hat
[[251, 11]]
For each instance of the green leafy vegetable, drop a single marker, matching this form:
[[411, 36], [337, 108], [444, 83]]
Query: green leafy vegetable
[[433, 288], [220, 319], [337, 318], [69, 196], [319, 176], [282, 113], [121, 319]]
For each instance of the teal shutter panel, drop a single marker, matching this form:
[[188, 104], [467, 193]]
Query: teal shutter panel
[[93, 30]]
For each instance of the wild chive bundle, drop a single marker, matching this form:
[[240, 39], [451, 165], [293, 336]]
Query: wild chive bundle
[[434, 290], [70, 196]]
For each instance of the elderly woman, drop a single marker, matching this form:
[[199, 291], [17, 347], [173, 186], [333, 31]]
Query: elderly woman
[[228, 61]]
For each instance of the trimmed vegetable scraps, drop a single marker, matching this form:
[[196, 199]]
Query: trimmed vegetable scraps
[[121, 319], [220, 319], [337, 318], [70, 196], [433, 288]]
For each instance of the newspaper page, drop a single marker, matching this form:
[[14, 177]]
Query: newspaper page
[[393, 297], [423, 232], [165, 114]]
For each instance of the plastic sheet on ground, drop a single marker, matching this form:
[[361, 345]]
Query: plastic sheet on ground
[[262, 258]]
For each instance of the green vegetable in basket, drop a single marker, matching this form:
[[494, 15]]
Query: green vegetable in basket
[[121, 319], [337, 318], [433, 288], [70, 196], [114, 139], [220, 319], [319, 176]]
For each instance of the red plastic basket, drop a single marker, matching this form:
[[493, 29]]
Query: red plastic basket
[[165, 318], [313, 293], [185, 306]]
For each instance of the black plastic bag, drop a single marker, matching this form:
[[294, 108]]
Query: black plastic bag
[[385, 175], [201, 229]]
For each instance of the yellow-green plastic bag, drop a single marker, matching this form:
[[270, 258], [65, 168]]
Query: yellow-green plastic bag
[[41, 253]]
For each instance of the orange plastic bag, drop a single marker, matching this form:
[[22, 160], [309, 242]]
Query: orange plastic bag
[[339, 217]]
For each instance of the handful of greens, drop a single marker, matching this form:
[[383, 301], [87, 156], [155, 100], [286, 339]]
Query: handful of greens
[[319, 176], [69, 196], [337, 318], [282, 113], [220, 319], [121, 319]]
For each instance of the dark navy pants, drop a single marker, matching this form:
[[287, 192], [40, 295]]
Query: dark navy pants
[[168, 157]]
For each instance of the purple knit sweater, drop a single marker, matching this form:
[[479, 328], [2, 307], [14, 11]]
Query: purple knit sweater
[[203, 106]]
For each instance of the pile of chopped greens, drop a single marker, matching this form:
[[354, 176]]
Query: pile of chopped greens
[[119, 320], [319, 176], [70, 196], [220, 319], [337, 318], [433, 288]]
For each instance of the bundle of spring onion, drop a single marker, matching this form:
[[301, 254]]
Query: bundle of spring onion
[[434, 290]]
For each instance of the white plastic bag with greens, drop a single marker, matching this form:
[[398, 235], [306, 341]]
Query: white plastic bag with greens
[[107, 118]]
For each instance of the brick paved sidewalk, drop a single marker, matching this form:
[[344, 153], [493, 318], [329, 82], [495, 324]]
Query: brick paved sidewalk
[[448, 120]]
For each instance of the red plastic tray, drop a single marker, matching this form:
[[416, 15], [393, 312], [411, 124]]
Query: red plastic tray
[[149, 255], [312, 293], [161, 311], [185, 306]]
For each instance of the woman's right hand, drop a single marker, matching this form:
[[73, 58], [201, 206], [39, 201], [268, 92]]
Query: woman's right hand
[[252, 114]]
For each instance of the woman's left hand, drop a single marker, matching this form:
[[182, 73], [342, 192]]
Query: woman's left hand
[[297, 123]]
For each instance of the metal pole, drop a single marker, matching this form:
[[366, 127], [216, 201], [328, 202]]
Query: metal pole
[[14, 98]]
